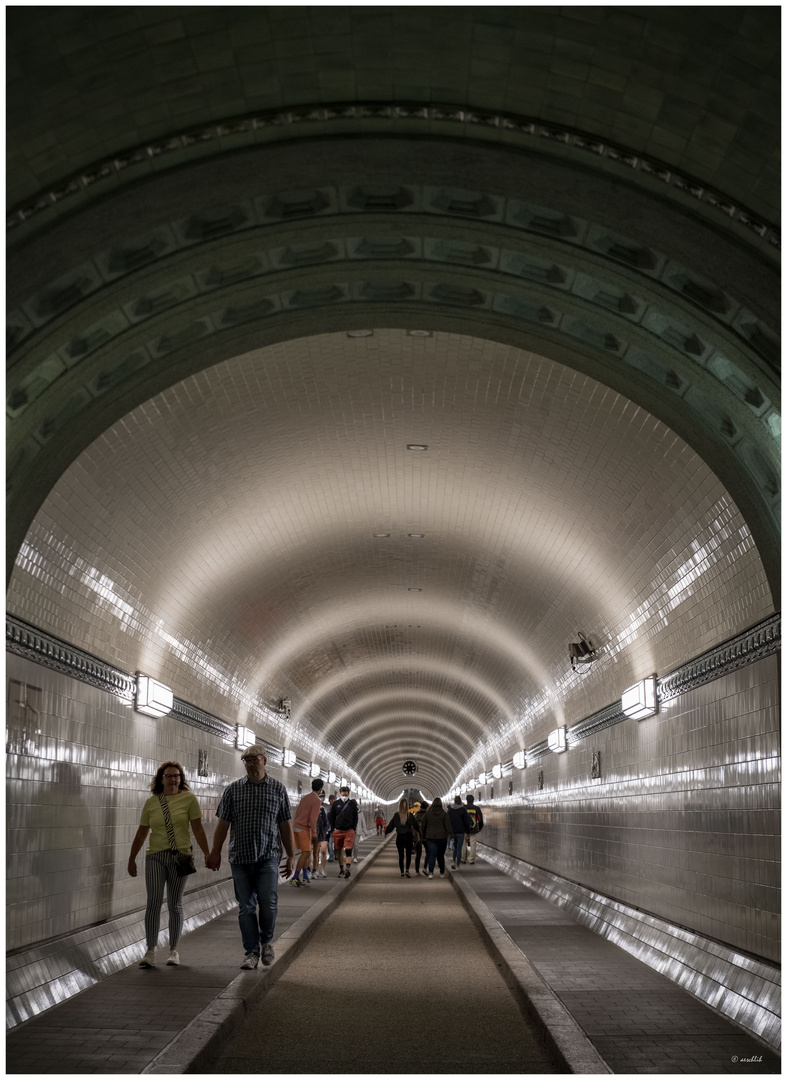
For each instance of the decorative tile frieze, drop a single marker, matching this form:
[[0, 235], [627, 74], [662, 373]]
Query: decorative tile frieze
[[519, 131]]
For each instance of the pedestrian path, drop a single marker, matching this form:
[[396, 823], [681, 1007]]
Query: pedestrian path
[[121, 1024], [638, 1020], [398, 980], [424, 991]]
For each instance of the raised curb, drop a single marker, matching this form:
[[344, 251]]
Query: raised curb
[[211, 1028], [558, 1029]]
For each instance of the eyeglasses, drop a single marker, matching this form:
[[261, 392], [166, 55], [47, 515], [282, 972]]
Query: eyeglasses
[[172, 776]]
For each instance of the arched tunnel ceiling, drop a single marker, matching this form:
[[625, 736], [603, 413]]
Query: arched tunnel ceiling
[[227, 534], [204, 201]]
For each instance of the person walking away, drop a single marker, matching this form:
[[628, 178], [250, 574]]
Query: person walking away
[[380, 823], [323, 838], [420, 844], [255, 811], [344, 821], [406, 832], [476, 825], [460, 824], [304, 827], [171, 799], [331, 851], [437, 830]]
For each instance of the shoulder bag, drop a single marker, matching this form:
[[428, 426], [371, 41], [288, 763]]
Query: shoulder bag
[[184, 863]]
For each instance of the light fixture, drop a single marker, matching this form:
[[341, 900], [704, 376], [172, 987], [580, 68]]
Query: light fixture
[[497, 771], [581, 652], [153, 698], [419, 333], [314, 770], [289, 758], [380, 536], [519, 759], [462, 789], [557, 740], [417, 446], [416, 536], [360, 333], [331, 776], [639, 700], [244, 738], [412, 589]]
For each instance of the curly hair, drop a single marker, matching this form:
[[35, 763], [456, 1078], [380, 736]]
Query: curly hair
[[157, 783]]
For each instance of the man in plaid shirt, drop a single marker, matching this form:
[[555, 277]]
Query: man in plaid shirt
[[255, 811]]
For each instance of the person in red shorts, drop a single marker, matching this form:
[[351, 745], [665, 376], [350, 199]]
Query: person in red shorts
[[344, 821], [304, 828], [380, 823]]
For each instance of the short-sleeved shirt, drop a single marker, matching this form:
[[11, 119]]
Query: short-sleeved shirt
[[254, 812], [183, 808]]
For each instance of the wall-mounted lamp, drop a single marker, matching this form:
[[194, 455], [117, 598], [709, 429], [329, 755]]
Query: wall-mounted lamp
[[314, 770], [519, 759], [244, 738], [289, 758], [331, 776], [343, 782], [581, 653], [497, 771], [153, 698], [557, 740], [462, 789], [640, 699]]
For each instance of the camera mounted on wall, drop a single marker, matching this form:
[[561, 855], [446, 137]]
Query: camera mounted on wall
[[581, 653]]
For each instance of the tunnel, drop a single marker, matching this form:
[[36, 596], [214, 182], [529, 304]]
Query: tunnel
[[397, 389]]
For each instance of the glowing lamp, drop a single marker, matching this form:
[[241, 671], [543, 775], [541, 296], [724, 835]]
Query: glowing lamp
[[244, 738], [289, 758], [331, 776], [519, 759], [153, 698], [314, 770], [639, 700], [557, 740], [497, 771]]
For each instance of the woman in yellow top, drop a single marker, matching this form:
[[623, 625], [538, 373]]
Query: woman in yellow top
[[160, 869]]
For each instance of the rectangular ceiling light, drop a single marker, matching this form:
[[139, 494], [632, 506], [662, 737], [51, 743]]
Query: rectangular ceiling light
[[557, 740], [153, 698], [639, 700]]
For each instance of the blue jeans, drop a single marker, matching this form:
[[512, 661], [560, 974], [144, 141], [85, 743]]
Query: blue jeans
[[256, 884], [459, 843], [435, 849]]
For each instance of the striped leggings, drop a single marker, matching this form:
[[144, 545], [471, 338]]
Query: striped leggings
[[160, 870]]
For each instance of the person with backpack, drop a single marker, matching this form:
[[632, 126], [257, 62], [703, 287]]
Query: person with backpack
[[476, 825], [344, 822], [461, 824], [420, 845], [406, 832]]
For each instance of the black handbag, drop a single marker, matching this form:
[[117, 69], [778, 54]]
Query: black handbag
[[184, 863]]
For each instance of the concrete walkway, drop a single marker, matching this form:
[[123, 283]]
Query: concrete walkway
[[399, 981], [407, 957]]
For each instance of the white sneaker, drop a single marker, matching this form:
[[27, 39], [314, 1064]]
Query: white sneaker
[[430, 875], [173, 957], [149, 959]]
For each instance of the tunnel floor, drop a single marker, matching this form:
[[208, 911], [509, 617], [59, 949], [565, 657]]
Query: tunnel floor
[[397, 979]]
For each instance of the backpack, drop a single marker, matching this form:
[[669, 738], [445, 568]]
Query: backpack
[[473, 814], [344, 819]]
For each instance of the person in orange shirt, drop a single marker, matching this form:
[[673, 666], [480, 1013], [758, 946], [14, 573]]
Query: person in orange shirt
[[304, 827]]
